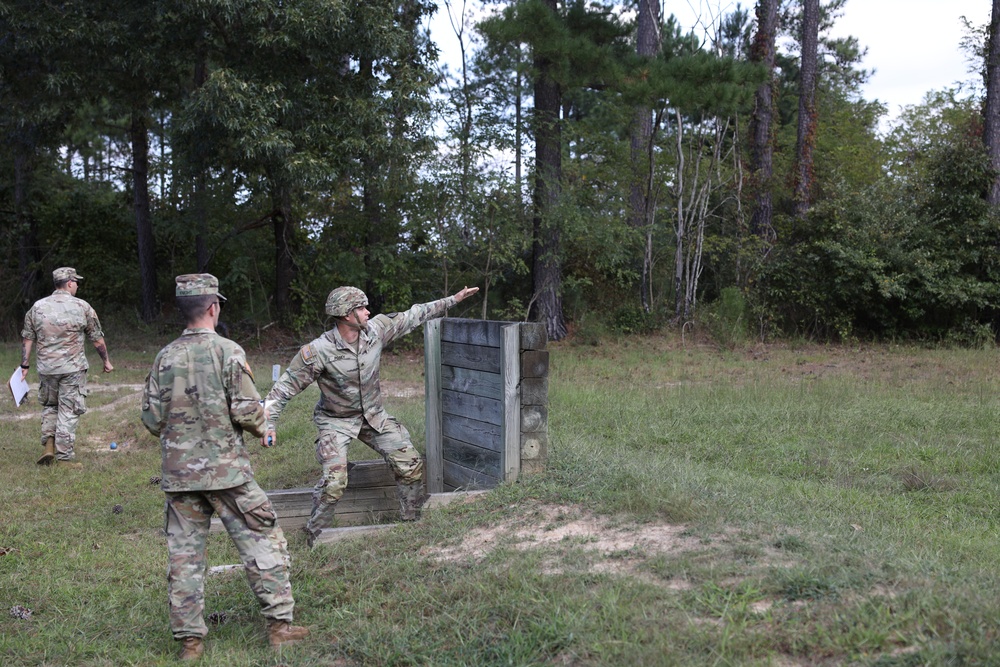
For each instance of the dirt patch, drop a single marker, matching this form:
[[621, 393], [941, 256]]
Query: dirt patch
[[613, 547]]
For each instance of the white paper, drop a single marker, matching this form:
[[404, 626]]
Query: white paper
[[275, 372], [18, 387]]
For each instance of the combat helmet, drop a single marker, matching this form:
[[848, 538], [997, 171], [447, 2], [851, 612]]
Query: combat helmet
[[343, 300]]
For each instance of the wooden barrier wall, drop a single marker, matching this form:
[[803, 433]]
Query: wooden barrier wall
[[487, 402]]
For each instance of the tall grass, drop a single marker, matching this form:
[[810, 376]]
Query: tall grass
[[826, 505]]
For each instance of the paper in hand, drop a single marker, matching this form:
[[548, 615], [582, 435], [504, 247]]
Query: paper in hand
[[18, 387]]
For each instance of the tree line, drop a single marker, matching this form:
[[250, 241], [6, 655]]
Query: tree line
[[590, 165]]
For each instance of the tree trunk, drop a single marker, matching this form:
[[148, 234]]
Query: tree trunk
[[200, 184], [641, 191], [762, 126], [807, 108], [546, 266], [991, 130], [149, 305], [27, 228], [284, 262]]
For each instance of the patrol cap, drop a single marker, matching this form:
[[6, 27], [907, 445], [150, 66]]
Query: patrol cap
[[65, 273], [197, 284]]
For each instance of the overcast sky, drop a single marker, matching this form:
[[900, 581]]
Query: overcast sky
[[913, 45]]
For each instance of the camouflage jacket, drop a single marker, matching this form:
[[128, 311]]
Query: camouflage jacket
[[199, 398], [348, 379], [58, 325]]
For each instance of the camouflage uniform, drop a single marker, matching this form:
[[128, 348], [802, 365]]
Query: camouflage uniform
[[350, 406], [199, 399], [59, 325]]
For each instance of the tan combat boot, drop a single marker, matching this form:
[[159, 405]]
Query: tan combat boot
[[283, 632], [192, 648], [50, 452]]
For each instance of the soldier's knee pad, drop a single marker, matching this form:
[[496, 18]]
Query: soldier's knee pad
[[409, 465], [336, 484]]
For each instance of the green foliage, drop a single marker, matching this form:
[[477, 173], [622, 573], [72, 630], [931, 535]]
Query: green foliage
[[727, 317], [907, 255]]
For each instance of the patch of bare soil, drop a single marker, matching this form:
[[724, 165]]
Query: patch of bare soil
[[612, 547]]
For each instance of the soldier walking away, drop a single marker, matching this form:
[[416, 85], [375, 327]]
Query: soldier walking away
[[55, 327], [344, 362], [199, 399]]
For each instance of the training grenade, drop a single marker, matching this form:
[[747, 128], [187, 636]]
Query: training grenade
[[114, 445]]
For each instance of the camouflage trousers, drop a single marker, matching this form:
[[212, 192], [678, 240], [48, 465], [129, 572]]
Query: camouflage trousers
[[249, 518], [63, 399], [393, 444]]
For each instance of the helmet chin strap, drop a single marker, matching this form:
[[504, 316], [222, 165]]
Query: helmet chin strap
[[355, 324]]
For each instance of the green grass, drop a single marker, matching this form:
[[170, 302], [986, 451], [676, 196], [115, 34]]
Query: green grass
[[799, 505]]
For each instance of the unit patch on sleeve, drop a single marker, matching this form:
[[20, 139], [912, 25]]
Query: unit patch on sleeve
[[307, 353]]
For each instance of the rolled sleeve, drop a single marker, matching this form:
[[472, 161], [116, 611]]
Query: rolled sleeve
[[296, 378], [152, 406], [245, 409]]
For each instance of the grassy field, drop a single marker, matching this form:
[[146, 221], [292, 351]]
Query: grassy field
[[768, 505]]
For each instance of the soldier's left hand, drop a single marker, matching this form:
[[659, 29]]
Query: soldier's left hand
[[108, 367], [466, 292]]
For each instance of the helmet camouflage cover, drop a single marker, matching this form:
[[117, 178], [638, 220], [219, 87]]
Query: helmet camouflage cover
[[343, 300]]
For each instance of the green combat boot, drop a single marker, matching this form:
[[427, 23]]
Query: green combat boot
[[192, 648], [411, 499], [50, 452], [283, 632]]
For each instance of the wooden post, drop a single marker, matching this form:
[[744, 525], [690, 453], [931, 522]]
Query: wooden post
[[434, 470], [510, 371]]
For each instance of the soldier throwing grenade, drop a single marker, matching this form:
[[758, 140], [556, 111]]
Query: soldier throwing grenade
[[345, 363]]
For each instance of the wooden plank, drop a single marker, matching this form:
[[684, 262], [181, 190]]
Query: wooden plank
[[434, 473], [474, 432], [477, 383], [356, 499], [535, 363], [533, 336], [373, 472], [510, 425], [474, 407], [471, 332], [534, 418], [462, 478], [295, 523], [331, 535], [534, 391], [471, 356], [472, 457]]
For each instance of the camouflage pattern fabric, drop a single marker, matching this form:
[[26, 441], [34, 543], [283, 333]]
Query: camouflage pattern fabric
[[249, 518], [59, 326], [348, 379], [199, 399], [331, 450], [343, 300], [63, 400], [350, 404]]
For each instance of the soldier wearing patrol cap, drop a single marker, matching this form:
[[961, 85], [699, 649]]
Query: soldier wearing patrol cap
[[56, 327], [344, 362], [199, 400]]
